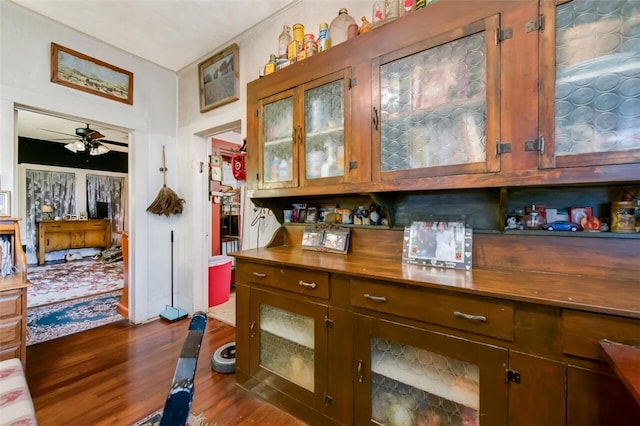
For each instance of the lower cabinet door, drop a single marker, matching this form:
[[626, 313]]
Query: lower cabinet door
[[288, 347], [410, 376]]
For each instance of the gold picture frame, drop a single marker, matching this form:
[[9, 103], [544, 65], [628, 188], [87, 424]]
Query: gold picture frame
[[82, 72], [218, 77], [5, 203]]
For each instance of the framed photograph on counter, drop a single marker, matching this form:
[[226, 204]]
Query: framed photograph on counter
[[441, 243]]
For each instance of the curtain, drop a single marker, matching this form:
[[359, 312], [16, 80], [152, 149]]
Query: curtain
[[110, 190], [57, 189]]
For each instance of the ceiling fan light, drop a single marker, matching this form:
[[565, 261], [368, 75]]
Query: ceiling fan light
[[99, 150], [75, 146]]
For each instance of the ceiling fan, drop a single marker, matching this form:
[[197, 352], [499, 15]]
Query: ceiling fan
[[89, 140]]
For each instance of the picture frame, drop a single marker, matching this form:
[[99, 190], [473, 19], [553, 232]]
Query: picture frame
[[312, 215], [218, 77], [321, 237], [71, 217], [82, 72], [5, 203], [439, 243], [336, 240]]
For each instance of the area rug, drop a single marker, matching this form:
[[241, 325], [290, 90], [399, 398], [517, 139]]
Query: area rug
[[153, 419], [71, 280], [61, 319]]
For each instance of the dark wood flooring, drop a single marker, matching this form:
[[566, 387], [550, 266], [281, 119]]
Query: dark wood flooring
[[118, 373]]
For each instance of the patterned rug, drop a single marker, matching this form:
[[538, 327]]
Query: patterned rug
[[154, 418], [61, 319], [71, 280]]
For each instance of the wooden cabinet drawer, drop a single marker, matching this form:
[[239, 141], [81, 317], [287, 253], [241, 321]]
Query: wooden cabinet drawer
[[10, 331], [582, 331], [10, 303], [303, 281], [480, 315]]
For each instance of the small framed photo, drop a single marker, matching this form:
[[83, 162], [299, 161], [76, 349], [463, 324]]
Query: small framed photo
[[82, 216], [71, 217], [336, 240], [218, 77], [441, 243], [5, 203], [312, 238], [312, 215]]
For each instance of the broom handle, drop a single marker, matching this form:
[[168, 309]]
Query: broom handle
[[171, 267], [164, 176]]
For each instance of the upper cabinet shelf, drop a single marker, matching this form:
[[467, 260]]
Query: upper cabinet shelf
[[440, 99]]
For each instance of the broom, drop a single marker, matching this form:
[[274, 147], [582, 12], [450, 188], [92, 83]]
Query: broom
[[167, 201]]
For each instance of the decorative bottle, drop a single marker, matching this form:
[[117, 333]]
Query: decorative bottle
[[339, 27], [324, 39], [283, 42], [271, 65]]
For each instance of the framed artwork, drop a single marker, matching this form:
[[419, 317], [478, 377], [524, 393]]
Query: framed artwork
[[82, 72], [218, 77], [440, 243], [5, 203]]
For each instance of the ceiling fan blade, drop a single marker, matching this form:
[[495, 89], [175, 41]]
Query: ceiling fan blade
[[94, 134], [60, 133], [105, 141]]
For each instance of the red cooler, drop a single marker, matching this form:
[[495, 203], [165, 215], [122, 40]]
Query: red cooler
[[219, 279]]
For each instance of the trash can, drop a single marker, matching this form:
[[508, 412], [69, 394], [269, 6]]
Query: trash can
[[219, 279]]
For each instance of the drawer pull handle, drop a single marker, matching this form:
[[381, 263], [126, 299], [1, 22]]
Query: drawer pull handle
[[474, 318], [360, 372], [306, 284], [259, 275], [375, 298], [252, 326]]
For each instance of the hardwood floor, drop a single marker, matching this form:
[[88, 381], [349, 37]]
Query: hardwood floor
[[117, 374]]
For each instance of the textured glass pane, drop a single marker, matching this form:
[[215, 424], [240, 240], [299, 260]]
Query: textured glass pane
[[433, 107], [411, 386], [277, 140], [597, 76], [286, 345], [324, 130]]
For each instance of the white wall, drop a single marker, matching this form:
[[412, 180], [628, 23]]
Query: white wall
[[25, 39], [255, 46]]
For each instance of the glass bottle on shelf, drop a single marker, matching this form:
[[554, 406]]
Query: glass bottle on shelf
[[534, 218], [283, 42], [270, 67], [339, 27]]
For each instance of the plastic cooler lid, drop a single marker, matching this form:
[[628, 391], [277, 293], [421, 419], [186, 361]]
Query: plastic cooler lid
[[219, 260]]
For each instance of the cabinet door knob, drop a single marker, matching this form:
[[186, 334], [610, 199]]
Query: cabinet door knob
[[306, 284], [474, 318], [375, 298], [259, 275]]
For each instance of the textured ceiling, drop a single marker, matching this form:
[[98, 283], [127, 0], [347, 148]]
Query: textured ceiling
[[170, 33]]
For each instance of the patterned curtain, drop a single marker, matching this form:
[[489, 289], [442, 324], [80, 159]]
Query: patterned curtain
[[111, 190], [57, 189]]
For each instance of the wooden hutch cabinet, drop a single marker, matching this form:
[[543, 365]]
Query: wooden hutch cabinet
[[13, 295], [471, 109]]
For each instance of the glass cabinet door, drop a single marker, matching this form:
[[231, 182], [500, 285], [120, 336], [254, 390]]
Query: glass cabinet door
[[439, 106], [278, 138], [289, 344], [324, 128], [595, 116], [413, 377]]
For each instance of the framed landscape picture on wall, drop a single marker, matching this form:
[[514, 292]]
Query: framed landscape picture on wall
[[82, 72], [218, 78]]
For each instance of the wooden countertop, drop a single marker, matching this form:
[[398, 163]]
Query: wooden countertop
[[625, 360], [607, 296]]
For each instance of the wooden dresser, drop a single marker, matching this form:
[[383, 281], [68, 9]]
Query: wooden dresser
[[72, 234], [13, 296]]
